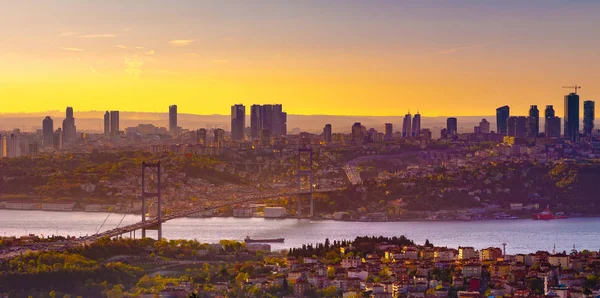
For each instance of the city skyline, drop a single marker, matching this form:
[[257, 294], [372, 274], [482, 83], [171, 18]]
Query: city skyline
[[350, 58]]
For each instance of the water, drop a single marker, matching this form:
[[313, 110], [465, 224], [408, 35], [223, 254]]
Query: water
[[521, 236]]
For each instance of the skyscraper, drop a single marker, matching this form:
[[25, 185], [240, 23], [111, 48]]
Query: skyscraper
[[357, 135], [502, 114], [571, 118], [173, 119], [484, 126], [327, 134], [3, 146], [219, 135], [549, 112], [107, 123], [534, 121], [416, 125], [517, 126], [389, 132], [48, 132], [14, 146], [114, 123], [588, 117], [452, 126], [68, 127], [406, 125], [552, 127], [238, 122], [58, 139], [255, 121], [201, 134]]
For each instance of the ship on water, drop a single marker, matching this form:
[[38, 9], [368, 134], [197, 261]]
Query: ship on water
[[273, 240], [547, 215]]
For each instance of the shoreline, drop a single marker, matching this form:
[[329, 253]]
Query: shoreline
[[315, 218]]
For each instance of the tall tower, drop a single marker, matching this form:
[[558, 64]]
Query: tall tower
[[452, 126], [484, 126], [357, 136], [502, 115], [114, 123], [255, 121], [416, 125], [327, 134], [107, 123], [48, 132], [534, 121], [238, 122], [407, 125], [588, 117], [173, 119], [68, 128], [389, 132], [571, 118]]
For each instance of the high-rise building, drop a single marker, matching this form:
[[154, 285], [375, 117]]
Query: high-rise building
[[452, 126], [173, 119], [484, 126], [48, 132], [58, 139], [588, 117], [549, 113], [571, 119], [443, 133], [107, 123], [68, 127], [267, 117], [219, 136], [502, 115], [534, 121], [14, 146], [552, 127], [238, 122], [406, 125], [416, 125], [517, 126], [201, 135], [114, 123], [357, 135], [3, 146], [389, 132], [327, 134]]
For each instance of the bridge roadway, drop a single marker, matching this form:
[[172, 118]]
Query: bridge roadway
[[185, 212]]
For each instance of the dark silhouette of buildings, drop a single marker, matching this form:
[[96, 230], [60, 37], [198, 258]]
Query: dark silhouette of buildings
[[111, 123], [406, 125], [269, 118], [238, 122], [549, 112], [389, 132], [107, 123], [48, 132], [218, 137], [327, 134], [533, 121], [552, 127], [416, 125], [588, 117], [173, 119], [68, 127], [517, 126], [452, 126], [357, 135], [571, 118], [502, 115], [201, 135], [484, 126]]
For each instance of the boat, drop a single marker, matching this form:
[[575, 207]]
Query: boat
[[274, 240], [547, 215]]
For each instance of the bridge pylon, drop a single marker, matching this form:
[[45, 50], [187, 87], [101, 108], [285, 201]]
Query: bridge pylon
[[156, 194], [307, 170]]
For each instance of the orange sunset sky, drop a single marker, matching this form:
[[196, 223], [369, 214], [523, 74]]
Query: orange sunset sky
[[315, 57]]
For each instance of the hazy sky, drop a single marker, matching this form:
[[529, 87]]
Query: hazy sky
[[315, 57]]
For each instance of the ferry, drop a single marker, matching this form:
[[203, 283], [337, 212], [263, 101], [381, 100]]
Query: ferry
[[274, 240], [547, 215]]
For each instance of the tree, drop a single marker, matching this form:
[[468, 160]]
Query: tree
[[115, 292], [52, 294]]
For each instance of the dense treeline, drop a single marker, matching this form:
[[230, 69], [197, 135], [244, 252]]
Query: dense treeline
[[366, 244]]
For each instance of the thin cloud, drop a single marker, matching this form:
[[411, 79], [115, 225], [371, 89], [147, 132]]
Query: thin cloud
[[454, 50], [94, 71], [98, 36], [133, 66], [151, 52], [122, 47], [72, 49], [67, 33], [181, 42], [139, 48]]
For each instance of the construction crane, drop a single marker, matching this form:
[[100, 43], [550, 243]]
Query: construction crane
[[576, 87]]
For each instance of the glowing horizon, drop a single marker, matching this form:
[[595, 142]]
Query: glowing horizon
[[379, 58]]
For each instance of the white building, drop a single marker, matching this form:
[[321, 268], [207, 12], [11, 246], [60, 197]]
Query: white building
[[274, 212], [58, 206]]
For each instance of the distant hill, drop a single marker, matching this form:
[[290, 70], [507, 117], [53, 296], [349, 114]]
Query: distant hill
[[92, 121]]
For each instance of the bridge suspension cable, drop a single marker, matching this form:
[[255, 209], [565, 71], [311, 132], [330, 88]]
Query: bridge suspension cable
[[103, 223]]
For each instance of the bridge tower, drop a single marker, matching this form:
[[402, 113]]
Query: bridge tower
[[156, 194], [306, 170]]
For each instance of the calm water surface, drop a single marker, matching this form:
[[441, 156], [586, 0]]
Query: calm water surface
[[521, 236]]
